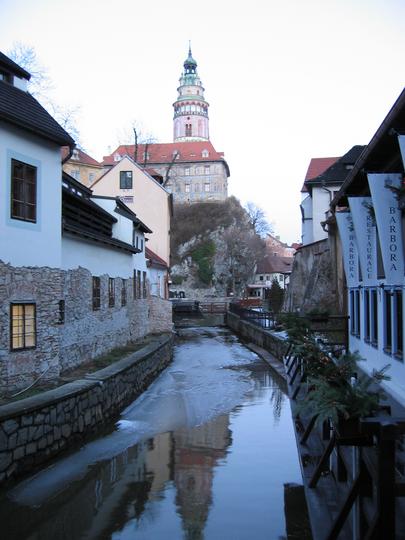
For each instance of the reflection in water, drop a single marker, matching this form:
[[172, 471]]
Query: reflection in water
[[213, 470]]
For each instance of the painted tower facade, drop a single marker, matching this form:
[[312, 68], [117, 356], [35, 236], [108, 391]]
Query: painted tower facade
[[190, 122]]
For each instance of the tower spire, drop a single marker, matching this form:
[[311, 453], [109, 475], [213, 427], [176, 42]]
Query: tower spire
[[190, 122]]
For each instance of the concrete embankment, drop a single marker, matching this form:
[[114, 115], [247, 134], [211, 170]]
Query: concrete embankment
[[261, 337], [35, 429]]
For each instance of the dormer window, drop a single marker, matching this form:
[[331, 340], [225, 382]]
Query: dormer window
[[117, 157], [75, 154], [176, 154], [205, 153], [146, 155]]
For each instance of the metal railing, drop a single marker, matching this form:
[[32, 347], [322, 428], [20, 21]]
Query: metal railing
[[258, 316]]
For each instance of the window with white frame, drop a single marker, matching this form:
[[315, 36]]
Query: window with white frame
[[355, 312], [206, 187]]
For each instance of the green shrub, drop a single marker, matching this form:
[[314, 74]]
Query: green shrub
[[203, 256]]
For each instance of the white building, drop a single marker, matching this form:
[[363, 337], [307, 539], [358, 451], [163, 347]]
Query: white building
[[73, 274], [323, 180], [369, 211]]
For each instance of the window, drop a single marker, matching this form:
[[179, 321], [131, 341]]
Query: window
[[207, 169], [117, 157], [141, 244], [187, 171], [23, 191], [374, 317], [125, 179], [138, 284], [261, 278], [197, 187], [206, 187], [134, 285], [387, 321], [205, 153], [187, 188], [111, 292], [355, 312], [398, 329], [124, 293], [61, 306], [75, 154], [91, 177], [96, 293], [144, 284], [188, 130], [22, 326], [367, 315]]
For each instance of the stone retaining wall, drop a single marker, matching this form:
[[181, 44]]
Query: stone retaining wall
[[263, 338], [36, 429]]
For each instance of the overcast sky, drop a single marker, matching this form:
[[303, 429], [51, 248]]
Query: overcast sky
[[286, 80]]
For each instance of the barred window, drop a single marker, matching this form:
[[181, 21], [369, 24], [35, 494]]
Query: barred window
[[124, 293], [96, 293], [111, 292], [22, 326], [144, 284], [138, 284]]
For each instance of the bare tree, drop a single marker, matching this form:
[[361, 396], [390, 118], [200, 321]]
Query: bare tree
[[40, 86], [169, 168], [242, 249], [134, 136], [258, 219]]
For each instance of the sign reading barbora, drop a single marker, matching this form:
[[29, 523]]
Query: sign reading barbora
[[349, 247], [388, 218], [365, 231]]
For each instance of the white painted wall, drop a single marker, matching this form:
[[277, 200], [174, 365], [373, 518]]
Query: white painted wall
[[97, 259], [23, 243], [306, 224], [157, 277]]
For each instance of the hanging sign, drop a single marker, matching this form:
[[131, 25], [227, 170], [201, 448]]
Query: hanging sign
[[349, 247], [401, 140], [388, 218], [362, 213]]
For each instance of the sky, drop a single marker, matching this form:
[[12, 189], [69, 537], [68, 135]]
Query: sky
[[287, 80]]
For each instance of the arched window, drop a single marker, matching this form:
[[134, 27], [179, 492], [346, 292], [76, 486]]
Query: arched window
[[188, 130]]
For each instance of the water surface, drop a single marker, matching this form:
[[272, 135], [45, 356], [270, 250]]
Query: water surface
[[207, 452]]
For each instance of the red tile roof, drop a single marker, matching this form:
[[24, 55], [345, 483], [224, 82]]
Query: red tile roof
[[154, 259], [84, 158], [316, 167], [163, 152]]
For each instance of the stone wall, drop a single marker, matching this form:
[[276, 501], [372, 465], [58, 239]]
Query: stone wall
[[35, 429], [160, 315], [263, 338], [43, 287], [82, 335], [313, 281]]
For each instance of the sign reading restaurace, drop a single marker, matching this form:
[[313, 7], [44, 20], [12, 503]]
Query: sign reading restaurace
[[388, 218], [349, 247], [365, 230]]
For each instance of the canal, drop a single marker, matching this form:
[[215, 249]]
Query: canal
[[207, 452]]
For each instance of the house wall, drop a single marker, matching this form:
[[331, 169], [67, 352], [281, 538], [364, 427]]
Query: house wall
[[42, 286], [196, 180], [86, 174], [157, 281], [150, 203], [96, 258], [307, 234], [41, 241]]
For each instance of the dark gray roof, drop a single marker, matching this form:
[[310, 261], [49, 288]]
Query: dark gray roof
[[19, 108], [337, 173], [9, 65]]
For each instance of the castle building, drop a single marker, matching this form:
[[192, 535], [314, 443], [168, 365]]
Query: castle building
[[190, 168]]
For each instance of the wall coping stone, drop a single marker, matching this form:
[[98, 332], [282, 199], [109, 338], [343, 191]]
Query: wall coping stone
[[127, 362], [68, 390]]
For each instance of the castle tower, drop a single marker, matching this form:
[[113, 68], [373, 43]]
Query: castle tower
[[190, 121]]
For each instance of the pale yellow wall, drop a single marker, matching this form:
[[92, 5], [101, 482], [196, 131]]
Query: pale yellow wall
[[84, 172], [150, 203]]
